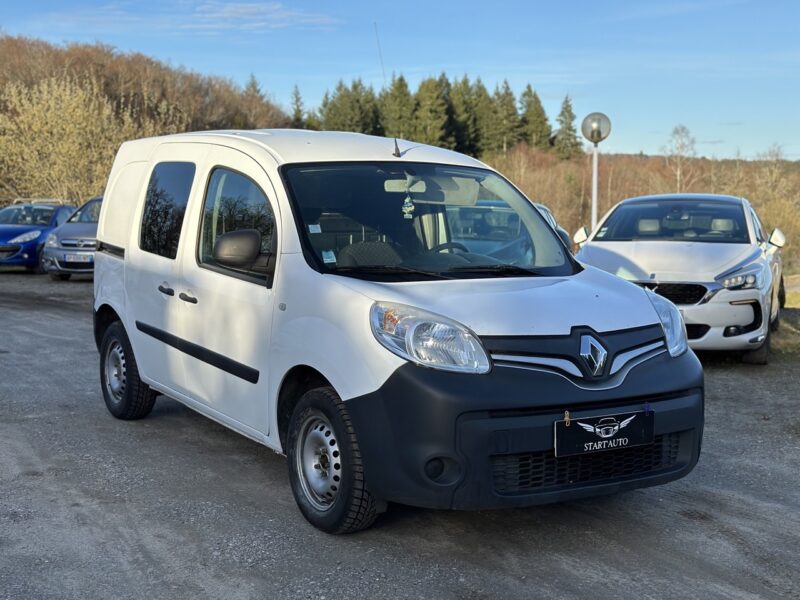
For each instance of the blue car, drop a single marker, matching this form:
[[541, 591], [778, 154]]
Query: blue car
[[23, 230]]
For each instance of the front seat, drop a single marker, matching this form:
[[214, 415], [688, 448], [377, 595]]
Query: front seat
[[368, 254]]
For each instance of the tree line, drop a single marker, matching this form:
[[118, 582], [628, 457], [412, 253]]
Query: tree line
[[458, 114]]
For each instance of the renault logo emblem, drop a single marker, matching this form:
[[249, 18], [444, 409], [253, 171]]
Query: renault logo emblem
[[594, 354]]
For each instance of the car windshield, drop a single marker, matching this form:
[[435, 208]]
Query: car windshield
[[675, 221], [26, 214], [88, 213], [415, 221]]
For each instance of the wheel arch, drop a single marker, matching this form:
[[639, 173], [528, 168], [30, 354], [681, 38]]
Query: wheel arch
[[297, 381], [104, 316]]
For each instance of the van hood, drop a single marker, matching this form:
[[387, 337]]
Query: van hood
[[699, 262], [523, 305]]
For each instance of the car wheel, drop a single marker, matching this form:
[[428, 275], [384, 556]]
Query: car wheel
[[782, 295], [759, 356], [40, 269], [60, 276], [126, 396], [325, 469]]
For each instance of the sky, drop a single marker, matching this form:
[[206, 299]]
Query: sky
[[729, 70]]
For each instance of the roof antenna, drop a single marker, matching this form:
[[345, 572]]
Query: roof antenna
[[396, 149]]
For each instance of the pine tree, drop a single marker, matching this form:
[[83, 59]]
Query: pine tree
[[505, 129], [567, 143], [298, 113], [465, 127], [535, 125], [431, 118], [397, 109], [353, 108], [483, 108]]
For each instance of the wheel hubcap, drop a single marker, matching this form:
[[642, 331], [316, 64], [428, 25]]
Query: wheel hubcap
[[318, 461], [115, 371]]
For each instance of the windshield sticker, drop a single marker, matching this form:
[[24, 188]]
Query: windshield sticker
[[314, 228], [328, 256], [408, 208]]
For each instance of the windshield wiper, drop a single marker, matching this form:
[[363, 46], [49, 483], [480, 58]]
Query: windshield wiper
[[504, 269], [388, 270]]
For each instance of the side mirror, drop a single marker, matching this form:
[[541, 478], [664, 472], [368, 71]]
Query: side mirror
[[237, 249], [562, 233], [581, 236], [777, 238]]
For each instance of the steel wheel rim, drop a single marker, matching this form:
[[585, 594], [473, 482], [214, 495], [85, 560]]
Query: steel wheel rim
[[115, 371], [318, 461]]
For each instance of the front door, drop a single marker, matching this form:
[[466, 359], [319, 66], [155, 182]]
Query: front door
[[227, 312]]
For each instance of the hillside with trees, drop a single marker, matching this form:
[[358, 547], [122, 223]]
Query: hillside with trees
[[64, 111]]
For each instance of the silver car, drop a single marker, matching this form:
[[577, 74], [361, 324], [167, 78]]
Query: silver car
[[709, 254], [70, 248]]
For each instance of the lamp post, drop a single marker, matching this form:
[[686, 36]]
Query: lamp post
[[595, 128]]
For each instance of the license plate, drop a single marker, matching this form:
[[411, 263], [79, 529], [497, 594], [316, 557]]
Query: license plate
[[606, 432], [79, 258]]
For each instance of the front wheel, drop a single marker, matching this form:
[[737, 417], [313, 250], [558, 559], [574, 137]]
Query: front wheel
[[325, 468], [759, 356], [127, 397]]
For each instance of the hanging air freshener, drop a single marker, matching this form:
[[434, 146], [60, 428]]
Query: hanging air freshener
[[408, 208]]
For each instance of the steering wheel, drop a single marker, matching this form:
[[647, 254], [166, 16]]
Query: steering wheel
[[448, 245]]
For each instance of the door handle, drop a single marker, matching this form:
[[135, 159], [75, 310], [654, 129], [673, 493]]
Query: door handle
[[168, 291], [187, 298]]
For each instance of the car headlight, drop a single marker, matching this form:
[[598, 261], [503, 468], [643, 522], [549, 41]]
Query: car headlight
[[746, 278], [427, 339], [671, 323], [52, 240], [26, 237]]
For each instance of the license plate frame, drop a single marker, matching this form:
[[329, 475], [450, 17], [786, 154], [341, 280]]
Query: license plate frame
[[602, 433], [79, 258]]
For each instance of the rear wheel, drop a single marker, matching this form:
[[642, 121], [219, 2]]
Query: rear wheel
[[759, 356], [325, 468], [126, 396]]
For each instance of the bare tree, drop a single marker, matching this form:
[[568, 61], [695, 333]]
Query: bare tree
[[680, 155]]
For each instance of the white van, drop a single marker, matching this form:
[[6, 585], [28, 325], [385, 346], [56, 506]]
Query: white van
[[398, 319]]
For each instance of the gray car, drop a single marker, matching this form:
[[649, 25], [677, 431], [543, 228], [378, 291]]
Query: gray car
[[70, 248]]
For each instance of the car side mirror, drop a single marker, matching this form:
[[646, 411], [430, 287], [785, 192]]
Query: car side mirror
[[562, 233], [581, 236], [237, 249], [777, 238]]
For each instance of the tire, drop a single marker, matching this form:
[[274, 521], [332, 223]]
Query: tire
[[782, 295], [60, 276], [759, 356], [127, 397], [325, 468]]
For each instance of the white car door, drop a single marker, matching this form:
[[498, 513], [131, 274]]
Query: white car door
[[227, 312], [153, 270]]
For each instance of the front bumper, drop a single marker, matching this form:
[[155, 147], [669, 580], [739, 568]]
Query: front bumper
[[61, 260], [444, 440], [707, 322], [21, 255]]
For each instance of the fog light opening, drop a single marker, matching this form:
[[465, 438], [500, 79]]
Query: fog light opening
[[731, 331], [442, 470]]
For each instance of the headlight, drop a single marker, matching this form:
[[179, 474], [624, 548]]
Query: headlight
[[749, 277], [427, 339], [52, 240], [671, 323], [26, 237]]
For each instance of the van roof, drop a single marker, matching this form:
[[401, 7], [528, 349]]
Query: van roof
[[301, 146]]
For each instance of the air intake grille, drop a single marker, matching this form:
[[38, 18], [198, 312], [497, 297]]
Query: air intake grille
[[538, 471], [695, 332], [681, 293]]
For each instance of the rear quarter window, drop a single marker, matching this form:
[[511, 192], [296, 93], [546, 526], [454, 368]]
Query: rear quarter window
[[165, 206]]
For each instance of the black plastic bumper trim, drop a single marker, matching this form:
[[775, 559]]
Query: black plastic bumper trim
[[210, 357]]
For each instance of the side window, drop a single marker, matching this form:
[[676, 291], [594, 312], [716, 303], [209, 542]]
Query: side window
[[62, 215], [164, 207], [234, 202], [758, 227]]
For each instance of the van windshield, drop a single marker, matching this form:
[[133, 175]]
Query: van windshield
[[413, 221]]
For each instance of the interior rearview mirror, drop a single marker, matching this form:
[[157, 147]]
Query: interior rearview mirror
[[581, 236], [777, 238], [237, 249]]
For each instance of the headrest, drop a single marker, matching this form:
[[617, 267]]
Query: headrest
[[649, 225], [721, 224]]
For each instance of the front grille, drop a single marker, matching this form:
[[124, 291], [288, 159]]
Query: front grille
[[541, 471], [695, 332], [681, 293], [76, 266], [8, 250], [85, 244]]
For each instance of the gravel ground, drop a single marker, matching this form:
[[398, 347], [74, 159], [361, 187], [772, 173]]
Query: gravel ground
[[176, 506]]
